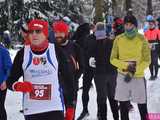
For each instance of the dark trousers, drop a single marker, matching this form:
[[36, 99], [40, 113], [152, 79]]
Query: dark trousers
[[87, 81], [154, 63], [3, 115], [67, 105], [105, 87], [159, 50], [125, 112], [53, 115]]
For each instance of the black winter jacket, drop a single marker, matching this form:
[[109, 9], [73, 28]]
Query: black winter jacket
[[102, 51]]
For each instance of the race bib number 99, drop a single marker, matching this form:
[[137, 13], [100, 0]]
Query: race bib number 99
[[41, 92]]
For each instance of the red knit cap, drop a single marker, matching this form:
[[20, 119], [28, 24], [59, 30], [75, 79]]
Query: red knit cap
[[119, 21], [61, 26], [37, 24]]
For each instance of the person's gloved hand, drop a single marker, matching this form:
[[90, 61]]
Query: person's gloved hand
[[131, 70], [69, 113], [131, 67], [92, 62], [128, 77], [23, 86]]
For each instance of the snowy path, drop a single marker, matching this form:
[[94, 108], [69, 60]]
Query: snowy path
[[13, 101]]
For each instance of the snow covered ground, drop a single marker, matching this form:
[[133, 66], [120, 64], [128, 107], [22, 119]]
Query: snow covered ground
[[14, 104]]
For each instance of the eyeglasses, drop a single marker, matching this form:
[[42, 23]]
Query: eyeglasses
[[36, 31]]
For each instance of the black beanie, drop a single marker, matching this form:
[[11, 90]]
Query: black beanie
[[131, 19]]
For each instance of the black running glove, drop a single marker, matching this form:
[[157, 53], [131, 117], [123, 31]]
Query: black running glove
[[131, 70]]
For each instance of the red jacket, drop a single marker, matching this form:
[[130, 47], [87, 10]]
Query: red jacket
[[152, 35]]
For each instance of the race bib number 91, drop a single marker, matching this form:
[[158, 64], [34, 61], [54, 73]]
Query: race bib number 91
[[41, 92]]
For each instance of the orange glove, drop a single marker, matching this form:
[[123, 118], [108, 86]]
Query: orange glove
[[23, 86], [70, 113]]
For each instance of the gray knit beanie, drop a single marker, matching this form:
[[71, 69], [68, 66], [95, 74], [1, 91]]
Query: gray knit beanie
[[100, 31]]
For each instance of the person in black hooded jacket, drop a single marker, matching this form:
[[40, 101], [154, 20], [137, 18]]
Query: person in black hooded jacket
[[105, 73], [89, 73], [72, 57], [80, 34]]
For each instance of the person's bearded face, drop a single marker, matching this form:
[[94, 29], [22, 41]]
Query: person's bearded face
[[60, 37]]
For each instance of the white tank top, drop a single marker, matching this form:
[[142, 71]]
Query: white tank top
[[42, 72]]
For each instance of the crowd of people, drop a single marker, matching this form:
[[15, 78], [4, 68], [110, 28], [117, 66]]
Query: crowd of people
[[54, 58]]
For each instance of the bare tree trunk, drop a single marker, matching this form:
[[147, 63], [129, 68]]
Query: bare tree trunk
[[128, 4], [9, 14], [99, 10], [118, 7], [105, 6], [114, 6], [149, 7]]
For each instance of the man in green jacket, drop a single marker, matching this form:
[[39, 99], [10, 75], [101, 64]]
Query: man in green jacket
[[131, 55]]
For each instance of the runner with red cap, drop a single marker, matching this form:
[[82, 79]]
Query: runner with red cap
[[37, 63]]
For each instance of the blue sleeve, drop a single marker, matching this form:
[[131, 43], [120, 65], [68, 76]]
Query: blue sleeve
[[6, 62]]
